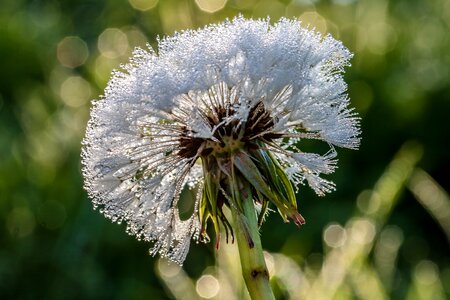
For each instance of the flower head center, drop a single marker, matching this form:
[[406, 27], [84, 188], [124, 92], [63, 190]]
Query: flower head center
[[226, 146], [230, 133]]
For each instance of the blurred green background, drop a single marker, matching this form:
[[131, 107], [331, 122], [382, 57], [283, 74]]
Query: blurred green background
[[384, 233]]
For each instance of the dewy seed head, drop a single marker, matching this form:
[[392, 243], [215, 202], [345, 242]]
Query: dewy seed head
[[223, 110]]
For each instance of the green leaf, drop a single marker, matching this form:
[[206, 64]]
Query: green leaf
[[247, 167], [287, 185], [251, 173]]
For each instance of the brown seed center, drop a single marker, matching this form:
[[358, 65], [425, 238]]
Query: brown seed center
[[229, 136]]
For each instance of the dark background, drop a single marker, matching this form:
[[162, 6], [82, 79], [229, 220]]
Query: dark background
[[57, 55]]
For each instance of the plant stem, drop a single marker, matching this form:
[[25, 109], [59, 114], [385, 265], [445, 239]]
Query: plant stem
[[254, 268]]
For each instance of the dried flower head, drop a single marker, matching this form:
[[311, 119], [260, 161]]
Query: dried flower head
[[223, 110]]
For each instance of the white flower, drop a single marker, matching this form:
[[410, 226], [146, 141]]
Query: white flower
[[234, 99]]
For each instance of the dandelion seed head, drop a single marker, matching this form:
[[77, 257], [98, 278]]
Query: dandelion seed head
[[179, 115]]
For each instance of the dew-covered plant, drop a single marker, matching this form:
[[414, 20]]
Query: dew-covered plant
[[222, 110]]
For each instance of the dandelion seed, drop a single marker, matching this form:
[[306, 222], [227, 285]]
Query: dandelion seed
[[228, 101]]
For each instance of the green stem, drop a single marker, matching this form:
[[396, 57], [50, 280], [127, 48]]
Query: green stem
[[254, 268]]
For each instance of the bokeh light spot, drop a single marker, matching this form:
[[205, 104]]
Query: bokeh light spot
[[135, 37], [168, 269], [314, 20], [207, 286], [72, 52], [211, 6], [75, 91], [334, 235], [103, 68], [362, 231], [368, 201], [143, 5], [391, 237], [112, 43], [426, 272], [382, 38]]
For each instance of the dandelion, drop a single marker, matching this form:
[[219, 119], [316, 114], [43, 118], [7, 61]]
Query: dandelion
[[222, 110]]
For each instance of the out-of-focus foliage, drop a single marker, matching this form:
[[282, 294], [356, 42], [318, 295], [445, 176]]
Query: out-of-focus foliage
[[384, 233]]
